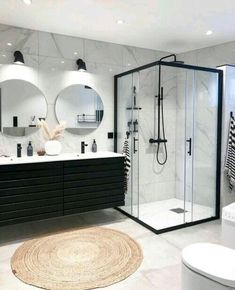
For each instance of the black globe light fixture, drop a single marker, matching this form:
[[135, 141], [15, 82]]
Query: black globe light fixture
[[81, 65], [19, 58]]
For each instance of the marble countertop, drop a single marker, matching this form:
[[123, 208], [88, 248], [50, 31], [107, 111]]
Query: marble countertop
[[62, 157]]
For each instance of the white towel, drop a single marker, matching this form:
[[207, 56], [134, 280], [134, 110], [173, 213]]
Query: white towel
[[127, 163], [230, 156]]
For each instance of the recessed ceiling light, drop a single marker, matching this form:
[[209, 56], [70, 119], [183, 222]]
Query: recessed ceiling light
[[110, 70], [128, 64], [62, 61], [27, 2], [120, 21], [4, 55], [75, 53], [9, 44], [209, 32]]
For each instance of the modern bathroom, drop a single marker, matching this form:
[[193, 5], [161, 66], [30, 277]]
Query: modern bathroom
[[117, 135]]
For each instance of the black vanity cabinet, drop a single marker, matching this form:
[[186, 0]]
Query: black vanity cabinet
[[93, 184], [35, 191], [30, 192]]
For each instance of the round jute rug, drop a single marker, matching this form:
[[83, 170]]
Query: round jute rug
[[77, 260]]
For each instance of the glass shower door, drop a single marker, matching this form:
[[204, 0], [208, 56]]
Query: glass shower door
[[128, 124], [204, 145]]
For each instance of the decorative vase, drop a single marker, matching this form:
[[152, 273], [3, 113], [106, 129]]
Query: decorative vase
[[53, 147]]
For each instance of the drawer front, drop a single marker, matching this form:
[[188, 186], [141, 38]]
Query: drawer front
[[28, 212], [30, 218], [94, 207], [93, 184]]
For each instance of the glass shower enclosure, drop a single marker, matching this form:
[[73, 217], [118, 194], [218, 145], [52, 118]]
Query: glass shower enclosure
[[169, 113]]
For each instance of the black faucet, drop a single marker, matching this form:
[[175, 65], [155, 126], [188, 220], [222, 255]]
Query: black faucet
[[19, 148], [83, 144]]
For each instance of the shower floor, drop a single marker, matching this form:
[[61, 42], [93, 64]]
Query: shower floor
[[159, 214]]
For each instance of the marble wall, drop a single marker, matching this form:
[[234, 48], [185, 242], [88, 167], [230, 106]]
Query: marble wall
[[50, 64]]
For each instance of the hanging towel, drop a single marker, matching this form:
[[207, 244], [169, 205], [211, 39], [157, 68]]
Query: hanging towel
[[127, 163], [230, 156]]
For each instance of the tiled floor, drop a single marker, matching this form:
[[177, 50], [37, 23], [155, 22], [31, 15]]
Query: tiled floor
[[160, 269]]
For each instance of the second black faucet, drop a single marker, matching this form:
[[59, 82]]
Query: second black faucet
[[83, 147]]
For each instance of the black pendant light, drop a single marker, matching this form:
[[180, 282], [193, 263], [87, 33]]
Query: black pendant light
[[81, 65], [19, 58]]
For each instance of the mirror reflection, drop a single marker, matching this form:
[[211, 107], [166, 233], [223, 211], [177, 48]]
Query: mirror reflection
[[81, 108], [21, 105]]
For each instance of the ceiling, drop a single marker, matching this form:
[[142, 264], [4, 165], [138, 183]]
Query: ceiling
[[168, 25]]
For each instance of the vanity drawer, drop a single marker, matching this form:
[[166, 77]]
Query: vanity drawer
[[14, 206], [31, 167], [34, 196], [30, 211], [93, 181], [15, 183], [93, 188], [31, 218], [93, 165], [31, 189], [93, 207]]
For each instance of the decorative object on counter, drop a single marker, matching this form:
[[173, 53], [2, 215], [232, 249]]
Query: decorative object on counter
[[41, 152], [19, 148], [30, 149], [83, 146], [81, 259], [15, 121], [94, 146], [52, 146], [33, 124]]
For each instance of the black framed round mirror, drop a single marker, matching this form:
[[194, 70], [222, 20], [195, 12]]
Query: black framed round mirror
[[81, 108], [21, 105]]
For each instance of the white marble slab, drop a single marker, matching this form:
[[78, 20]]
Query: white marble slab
[[13, 160]]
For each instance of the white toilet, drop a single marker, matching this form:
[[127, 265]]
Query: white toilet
[[207, 266]]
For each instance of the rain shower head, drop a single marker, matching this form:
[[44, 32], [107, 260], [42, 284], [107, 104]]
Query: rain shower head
[[174, 59]]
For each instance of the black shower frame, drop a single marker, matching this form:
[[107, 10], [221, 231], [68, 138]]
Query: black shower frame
[[219, 135]]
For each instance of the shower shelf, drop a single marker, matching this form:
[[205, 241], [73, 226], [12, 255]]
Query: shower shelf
[[135, 108]]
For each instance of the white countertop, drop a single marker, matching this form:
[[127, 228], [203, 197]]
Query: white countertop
[[62, 157]]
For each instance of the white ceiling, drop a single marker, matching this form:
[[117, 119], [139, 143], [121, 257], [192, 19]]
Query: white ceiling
[[168, 25]]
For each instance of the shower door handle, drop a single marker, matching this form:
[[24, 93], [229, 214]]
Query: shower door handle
[[135, 139], [190, 146]]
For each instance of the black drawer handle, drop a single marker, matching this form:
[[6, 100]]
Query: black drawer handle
[[190, 146]]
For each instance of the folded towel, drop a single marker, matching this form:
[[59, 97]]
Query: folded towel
[[127, 163], [230, 156]]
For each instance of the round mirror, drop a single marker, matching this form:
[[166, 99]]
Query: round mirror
[[81, 108], [21, 105]]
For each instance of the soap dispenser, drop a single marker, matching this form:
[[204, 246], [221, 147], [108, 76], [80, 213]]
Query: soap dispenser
[[30, 149], [94, 146]]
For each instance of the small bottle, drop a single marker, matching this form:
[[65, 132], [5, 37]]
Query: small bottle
[[94, 146], [30, 149], [19, 148]]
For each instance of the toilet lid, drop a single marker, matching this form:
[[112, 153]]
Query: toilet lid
[[213, 261]]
